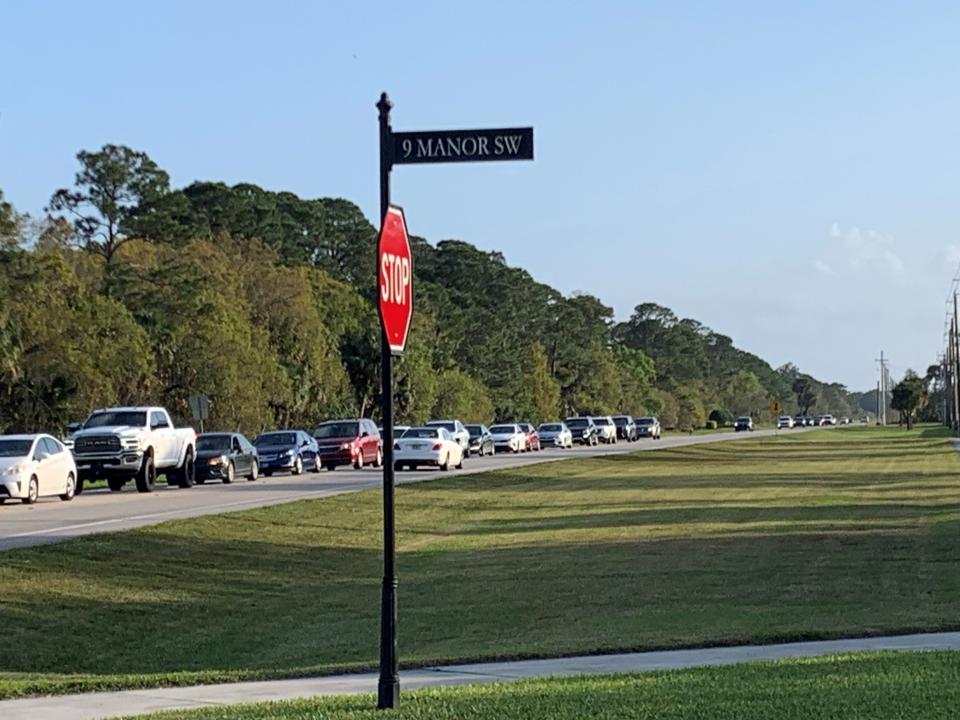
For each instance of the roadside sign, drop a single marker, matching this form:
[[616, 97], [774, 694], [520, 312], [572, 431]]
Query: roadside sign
[[775, 407], [447, 146], [395, 263], [200, 407]]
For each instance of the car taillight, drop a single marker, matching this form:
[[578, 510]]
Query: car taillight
[[396, 446], [438, 446]]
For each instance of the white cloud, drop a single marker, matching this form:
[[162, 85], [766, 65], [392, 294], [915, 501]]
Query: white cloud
[[824, 268], [865, 251]]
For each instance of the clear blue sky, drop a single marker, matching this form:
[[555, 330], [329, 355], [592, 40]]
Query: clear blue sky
[[783, 172]]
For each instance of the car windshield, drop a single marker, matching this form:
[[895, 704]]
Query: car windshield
[[578, 423], [279, 438], [474, 430], [112, 418], [785, 418], [15, 448], [213, 442], [644, 421], [551, 428], [503, 429], [620, 420], [743, 419], [337, 430], [602, 421], [423, 432], [444, 424]]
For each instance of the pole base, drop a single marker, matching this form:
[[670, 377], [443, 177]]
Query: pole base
[[388, 693]]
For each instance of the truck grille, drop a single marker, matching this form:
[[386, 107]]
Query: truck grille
[[97, 444]]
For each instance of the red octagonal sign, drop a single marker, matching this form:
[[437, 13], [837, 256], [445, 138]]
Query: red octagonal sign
[[395, 269]]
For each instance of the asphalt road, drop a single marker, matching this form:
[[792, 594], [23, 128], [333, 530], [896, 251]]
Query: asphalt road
[[52, 520]]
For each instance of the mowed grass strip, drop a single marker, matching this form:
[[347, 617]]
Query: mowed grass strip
[[807, 535], [877, 686]]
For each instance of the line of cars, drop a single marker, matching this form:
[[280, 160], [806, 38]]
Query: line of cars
[[786, 422], [140, 444]]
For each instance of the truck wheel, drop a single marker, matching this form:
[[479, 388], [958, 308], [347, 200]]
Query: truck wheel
[[115, 484], [185, 473], [147, 477]]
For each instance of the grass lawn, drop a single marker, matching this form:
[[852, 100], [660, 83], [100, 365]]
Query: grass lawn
[[808, 535], [882, 686]]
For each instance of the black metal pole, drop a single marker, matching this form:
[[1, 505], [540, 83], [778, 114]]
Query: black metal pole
[[388, 687]]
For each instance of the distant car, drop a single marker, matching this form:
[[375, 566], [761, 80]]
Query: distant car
[[844, 420], [785, 422], [799, 421], [607, 431], [864, 419], [555, 435], [457, 430], [583, 429], [290, 450], [648, 427], [508, 437], [626, 427], [225, 457], [35, 466], [532, 437], [353, 442], [430, 445], [744, 423], [481, 441], [828, 420]]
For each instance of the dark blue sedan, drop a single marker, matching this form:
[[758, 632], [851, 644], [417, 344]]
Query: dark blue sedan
[[287, 451]]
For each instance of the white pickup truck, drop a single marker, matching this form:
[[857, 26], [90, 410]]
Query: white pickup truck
[[133, 443]]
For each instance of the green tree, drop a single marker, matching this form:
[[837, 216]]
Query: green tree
[[909, 396], [114, 186], [806, 395]]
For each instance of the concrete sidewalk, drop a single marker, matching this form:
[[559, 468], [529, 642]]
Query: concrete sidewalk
[[92, 706]]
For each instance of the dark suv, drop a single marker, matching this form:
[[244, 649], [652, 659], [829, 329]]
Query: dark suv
[[583, 429], [349, 442]]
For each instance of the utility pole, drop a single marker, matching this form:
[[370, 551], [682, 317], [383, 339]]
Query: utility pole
[[882, 391]]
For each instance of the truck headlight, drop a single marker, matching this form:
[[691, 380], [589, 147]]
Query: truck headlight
[[130, 443]]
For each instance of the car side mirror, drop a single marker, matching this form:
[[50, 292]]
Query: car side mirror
[[364, 434], [73, 427]]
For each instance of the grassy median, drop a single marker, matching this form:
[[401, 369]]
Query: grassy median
[[808, 535], [881, 686]]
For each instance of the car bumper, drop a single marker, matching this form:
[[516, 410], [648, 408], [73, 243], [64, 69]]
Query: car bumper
[[336, 458], [511, 446], [123, 464], [14, 486], [283, 463], [419, 457], [210, 472]]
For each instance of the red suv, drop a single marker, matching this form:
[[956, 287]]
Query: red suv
[[349, 442], [533, 437]]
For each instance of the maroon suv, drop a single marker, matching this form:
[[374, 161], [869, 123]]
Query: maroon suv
[[349, 442]]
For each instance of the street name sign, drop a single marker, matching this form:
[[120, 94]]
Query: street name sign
[[447, 146]]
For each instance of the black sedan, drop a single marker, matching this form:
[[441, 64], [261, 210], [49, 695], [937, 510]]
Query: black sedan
[[225, 457], [481, 441]]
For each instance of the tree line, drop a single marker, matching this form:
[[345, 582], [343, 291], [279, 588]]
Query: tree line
[[128, 290]]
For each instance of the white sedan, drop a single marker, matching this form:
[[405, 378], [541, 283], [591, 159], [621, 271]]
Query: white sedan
[[33, 466], [427, 446], [508, 436]]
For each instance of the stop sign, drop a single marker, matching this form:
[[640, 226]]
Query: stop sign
[[395, 269]]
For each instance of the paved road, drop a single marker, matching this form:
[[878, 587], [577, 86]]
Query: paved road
[[94, 706], [51, 520]]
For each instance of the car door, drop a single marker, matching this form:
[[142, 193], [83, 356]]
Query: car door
[[241, 460], [58, 467], [164, 440], [42, 467]]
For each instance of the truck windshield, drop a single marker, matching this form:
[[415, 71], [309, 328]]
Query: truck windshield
[[114, 418]]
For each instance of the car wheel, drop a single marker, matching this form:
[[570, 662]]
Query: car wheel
[[267, 473], [298, 465], [147, 477], [115, 484], [330, 467], [378, 462], [33, 491], [317, 465], [70, 490], [459, 465], [445, 465], [358, 463], [254, 471], [231, 473]]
